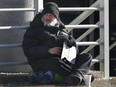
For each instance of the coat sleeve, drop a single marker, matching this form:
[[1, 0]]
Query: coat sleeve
[[32, 47]]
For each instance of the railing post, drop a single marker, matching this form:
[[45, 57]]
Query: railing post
[[38, 5], [104, 37]]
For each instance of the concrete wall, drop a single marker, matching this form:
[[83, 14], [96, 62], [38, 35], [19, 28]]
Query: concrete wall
[[14, 36]]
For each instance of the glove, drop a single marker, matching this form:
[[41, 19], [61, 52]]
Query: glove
[[71, 41]]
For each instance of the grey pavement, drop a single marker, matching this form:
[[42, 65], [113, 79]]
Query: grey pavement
[[21, 80]]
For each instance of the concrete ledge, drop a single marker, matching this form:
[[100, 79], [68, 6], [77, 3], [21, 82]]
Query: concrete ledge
[[21, 79]]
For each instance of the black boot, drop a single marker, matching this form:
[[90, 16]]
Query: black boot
[[75, 78]]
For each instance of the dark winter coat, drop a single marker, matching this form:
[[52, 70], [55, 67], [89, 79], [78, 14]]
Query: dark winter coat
[[38, 39]]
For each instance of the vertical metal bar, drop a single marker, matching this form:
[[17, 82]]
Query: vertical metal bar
[[106, 38], [38, 5], [101, 35]]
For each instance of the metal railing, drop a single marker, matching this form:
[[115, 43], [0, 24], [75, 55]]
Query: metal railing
[[103, 24], [16, 9]]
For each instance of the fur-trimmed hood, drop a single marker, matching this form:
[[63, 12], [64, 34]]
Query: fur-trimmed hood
[[37, 22]]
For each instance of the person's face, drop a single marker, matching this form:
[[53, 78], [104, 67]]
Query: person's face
[[48, 17], [49, 20]]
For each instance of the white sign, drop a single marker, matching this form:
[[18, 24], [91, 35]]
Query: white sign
[[69, 53]]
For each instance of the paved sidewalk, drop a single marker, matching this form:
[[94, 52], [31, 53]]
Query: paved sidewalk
[[21, 80], [96, 83]]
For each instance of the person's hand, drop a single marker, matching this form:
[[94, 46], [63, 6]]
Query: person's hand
[[55, 50], [71, 42]]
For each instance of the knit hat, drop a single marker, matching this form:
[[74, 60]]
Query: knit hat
[[52, 8]]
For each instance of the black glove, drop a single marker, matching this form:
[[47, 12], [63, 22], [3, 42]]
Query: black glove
[[71, 41], [61, 37], [64, 37]]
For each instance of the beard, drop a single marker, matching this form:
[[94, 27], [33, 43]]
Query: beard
[[52, 23]]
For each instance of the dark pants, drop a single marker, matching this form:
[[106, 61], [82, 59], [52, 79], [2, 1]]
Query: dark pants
[[82, 65]]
